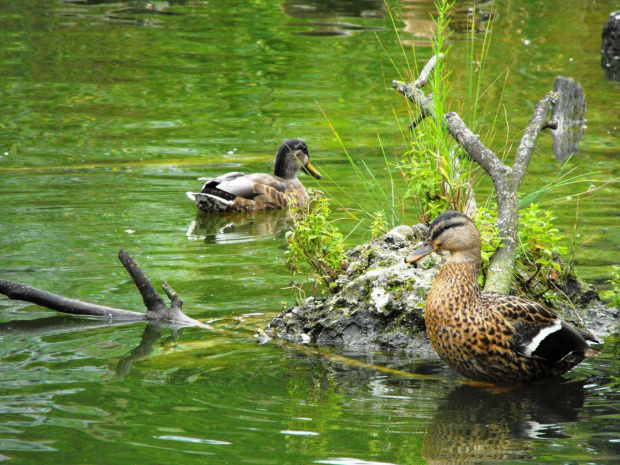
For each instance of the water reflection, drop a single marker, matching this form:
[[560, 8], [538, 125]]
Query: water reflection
[[152, 333], [476, 424], [48, 326], [453, 422], [227, 228], [419, 25], [138, 12], [322, 15], [329, 8]]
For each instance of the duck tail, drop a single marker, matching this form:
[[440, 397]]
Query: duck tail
[[191, 196], [211, 203]]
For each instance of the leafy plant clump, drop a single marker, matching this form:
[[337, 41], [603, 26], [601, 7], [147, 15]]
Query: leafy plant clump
[[315, 246], [486, 222], [438, 177], [539, 251]]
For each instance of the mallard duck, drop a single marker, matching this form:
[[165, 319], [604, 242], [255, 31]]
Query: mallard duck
[[235, 192], [487, 336]]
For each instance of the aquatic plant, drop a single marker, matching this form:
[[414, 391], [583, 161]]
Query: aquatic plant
[[315, 246]]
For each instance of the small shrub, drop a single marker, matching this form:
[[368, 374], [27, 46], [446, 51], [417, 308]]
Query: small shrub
[[379, 225], [538, 242], [538, 239], [315, 247]]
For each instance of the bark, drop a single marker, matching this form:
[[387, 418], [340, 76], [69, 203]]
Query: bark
[[569, 112], [156, 309], [506, 180]]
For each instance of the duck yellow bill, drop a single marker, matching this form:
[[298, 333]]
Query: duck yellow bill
[[311, 170], [421, 252]]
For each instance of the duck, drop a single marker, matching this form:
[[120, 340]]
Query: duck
[[487, 336], [243, 192]]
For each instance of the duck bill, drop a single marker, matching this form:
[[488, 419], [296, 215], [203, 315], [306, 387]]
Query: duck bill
[[311, 170], [424, 250]]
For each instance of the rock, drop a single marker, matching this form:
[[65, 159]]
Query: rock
[[610, 49], [380, 303]]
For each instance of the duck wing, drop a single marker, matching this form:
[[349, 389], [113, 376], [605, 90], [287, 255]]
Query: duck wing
[[538, 332], [246, 186]]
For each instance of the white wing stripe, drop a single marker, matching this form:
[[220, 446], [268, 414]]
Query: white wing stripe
[[532, 346]]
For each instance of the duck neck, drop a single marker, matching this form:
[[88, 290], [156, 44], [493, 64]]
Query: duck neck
[[286, 167], [459, 278]]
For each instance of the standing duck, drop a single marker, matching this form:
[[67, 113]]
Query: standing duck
[[242, 192], [487, 336]]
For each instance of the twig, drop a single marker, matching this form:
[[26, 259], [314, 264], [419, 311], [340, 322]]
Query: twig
[[426, 71], [414, 94]]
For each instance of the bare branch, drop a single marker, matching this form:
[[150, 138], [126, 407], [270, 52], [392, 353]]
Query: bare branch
[[476, 149], [426, 71], [415, 95], [156, 309], [25, 292], [526, 147], [175, 300], [551, 124]]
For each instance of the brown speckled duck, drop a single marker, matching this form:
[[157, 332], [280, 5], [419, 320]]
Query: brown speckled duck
[[238, 192], [487, 336]]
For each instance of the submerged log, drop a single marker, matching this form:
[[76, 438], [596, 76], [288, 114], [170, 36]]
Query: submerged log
[[156, 309]]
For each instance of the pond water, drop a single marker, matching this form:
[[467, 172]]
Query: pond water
[[110, 113]]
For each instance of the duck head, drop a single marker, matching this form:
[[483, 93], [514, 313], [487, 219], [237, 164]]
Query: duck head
[[293, 156], [454, 232]]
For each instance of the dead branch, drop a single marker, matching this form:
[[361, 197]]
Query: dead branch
[[414, 93], [156, 309]]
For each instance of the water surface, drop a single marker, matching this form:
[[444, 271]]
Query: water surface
[[110, 113]]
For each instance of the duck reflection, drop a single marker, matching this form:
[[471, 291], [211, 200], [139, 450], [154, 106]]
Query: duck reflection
[[323, 15], [221, 228], [133, 12], [481, 424]]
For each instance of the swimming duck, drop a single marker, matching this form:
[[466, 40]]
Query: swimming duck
[[487, 336], [236, 192]]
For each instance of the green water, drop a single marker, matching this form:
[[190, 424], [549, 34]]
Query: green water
[[110, 112]]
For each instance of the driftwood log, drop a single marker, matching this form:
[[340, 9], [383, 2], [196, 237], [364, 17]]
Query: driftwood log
[[506, 179], [156, 308]]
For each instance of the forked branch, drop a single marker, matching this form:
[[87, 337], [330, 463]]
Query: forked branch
[[506, 179], [156, 309]]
